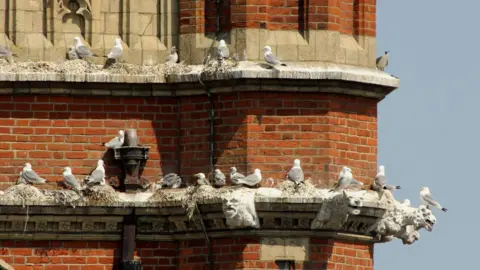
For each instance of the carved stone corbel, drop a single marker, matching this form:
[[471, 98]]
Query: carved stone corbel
[[239, 210]]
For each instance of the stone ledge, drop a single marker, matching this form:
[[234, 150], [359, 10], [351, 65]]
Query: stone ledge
[[171, 213], [245, 70]]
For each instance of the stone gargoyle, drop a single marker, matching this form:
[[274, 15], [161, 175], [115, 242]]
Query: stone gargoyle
[[239, 210], [404, 221], [335, 210]]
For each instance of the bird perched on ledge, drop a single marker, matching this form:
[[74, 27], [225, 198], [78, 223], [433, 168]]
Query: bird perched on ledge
[[382, 61], [427, 199], [72, 53], [219, 178], [296, 173], [270, 58], [173, 56], [222, 50], [98, 175], [116, 51], [70, 179], [171, 180], [201, 179], [30, 176], [380, 182], [4, 52], [344, 179], [117, 141], [252, 179], [235, 176], [82, 50]]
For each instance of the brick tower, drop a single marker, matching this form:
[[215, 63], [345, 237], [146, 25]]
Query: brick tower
[[321, 108]]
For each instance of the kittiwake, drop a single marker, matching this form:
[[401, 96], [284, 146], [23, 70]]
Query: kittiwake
[[427, 199], [70, 179], [219, 178], [117, 141], [31, 176], [173, 56], [270, 58], [382, 61], [98, 175], [344, 179], [296, 173]]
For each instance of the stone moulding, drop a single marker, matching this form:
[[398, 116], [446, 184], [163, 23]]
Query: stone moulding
[[29, 213], [244, 71]]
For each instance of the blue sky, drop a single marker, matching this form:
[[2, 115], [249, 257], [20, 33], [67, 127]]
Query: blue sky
[[429, 128]]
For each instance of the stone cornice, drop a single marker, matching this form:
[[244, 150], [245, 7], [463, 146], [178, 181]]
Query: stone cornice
[[247, 76], [167, 215]]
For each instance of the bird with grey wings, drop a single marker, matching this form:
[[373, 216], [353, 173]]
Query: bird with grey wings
[[270, 58], [70, 180], [98, 175], [72, 53], [117, 50], [427, 199], [173, 56], [235, 176], [30, 176], [171, 180], [251, 180], [344, 179], [201, 179], [5, 52], [380, 182], [219, 178], [222, 50], [382, 61], [117, 141], [296, 173], [82, 50]]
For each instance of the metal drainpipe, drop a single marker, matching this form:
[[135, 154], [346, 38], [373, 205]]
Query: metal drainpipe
[[212, 145], [219, 10], [212, 148]]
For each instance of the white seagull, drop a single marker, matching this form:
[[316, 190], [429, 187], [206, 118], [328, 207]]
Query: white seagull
[[82, 50], [70, 179], [202, 180], [98, 175], [252, 179], [116, 50], [219, 178], [270, 57], [171, 180], [173, 56], [72, 53], [4, 52], [382, 61], [296, 173], [117, 141], [222, 50], [31, 176], [235, 176], [380, 182], [344, 179], [427, 199]]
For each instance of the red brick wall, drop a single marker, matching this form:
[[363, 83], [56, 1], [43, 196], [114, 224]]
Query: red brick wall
[[60, 255], [325, 131], [339, 255], [346, 16], [157, 255], [52, 132], [228, 253]]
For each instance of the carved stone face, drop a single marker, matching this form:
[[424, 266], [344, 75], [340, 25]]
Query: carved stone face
[[355, 202], [424, 218], [230, 207]]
